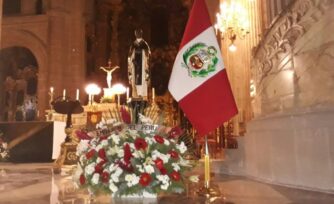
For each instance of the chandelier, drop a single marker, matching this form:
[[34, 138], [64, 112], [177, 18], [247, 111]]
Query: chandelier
[[232, 22]]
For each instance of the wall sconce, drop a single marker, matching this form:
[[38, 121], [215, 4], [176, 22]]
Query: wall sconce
[[232, 22]]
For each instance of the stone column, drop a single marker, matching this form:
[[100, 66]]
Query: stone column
[[1, 84], [116, 10], [0, 20]]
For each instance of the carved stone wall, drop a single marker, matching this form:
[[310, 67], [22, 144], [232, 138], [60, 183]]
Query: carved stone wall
[[293, 58], [290, 141]]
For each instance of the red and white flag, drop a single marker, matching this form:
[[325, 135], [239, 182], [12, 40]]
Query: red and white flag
[[199, 80]]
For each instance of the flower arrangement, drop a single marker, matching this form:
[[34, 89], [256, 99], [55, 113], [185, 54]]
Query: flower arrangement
[[126, 160], [4, 152]]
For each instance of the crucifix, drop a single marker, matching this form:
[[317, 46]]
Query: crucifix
[[109, 69]]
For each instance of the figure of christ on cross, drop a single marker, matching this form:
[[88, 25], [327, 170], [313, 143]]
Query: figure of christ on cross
[[109, 71]]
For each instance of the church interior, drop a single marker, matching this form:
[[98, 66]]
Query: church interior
[[68, 65]]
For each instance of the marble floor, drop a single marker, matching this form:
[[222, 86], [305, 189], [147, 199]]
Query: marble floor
[[36, 184]]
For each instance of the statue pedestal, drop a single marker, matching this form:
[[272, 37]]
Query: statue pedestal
[[138, 105]]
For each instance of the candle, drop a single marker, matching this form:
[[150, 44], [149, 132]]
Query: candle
[[127, 94], [77, 96], [64, 94], [153, 94], [206, 169], [51, 89]]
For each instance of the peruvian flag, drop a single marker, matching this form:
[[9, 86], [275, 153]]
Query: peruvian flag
[[199, 81]]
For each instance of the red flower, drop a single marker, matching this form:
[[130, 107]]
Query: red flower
[[105, 177], [159, 139], [82, 179], [140, 143], [173, 154], [90, 154], [127, 154], [175, 132], [159, 163], [82, 135], [101, 163], [145, 179], [103, 137], [175, 176], [163, 171], [98, 169], [102, 154]]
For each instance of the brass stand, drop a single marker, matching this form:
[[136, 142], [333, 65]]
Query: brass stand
[[67, 153], [69, 146], [208, 190]]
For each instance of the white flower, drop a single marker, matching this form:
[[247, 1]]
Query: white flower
[[181, 147], [149, 161], [149, 169], [89, 170], [101, 125], [115, 138], [104, 143], [194, 178], [176, 167], [131, 179], [133, 132], [145, 120], [164, 186], [113, 150], [112, 167], [164, 157], [82, 146], [132, 146], [184, 162], [120, 153], [166, 142], [149, 140], [98, 147], [98, 160], [164, 181], [140, 168], [163, 178], [138, 154], [112, 187], [96, 178], [118, 171], [115, 176]]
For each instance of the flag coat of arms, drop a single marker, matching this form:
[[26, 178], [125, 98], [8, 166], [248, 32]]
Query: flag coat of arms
[[199, 80]]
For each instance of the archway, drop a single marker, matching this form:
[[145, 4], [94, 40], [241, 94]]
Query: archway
[[18, 87], [23, 38]]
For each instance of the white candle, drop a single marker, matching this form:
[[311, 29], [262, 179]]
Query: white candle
[[64, 94], [153, 94], [77, 97], [127, 94], [51, 89]]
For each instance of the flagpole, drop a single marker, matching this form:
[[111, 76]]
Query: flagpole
[[206, 165], [208, 190]]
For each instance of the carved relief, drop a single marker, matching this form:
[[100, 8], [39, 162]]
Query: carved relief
[[277, 47], [284, 33]]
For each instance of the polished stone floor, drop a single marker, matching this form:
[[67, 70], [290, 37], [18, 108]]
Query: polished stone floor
[[36, 184]]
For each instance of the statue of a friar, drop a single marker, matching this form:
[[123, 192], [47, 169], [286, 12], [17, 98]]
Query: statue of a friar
[[138, 66]]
